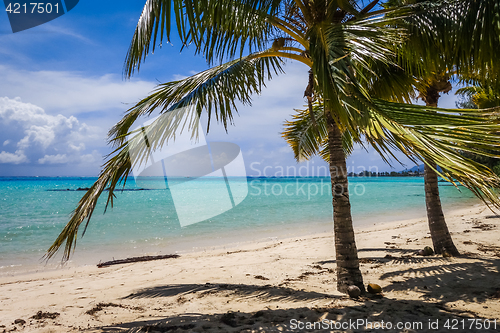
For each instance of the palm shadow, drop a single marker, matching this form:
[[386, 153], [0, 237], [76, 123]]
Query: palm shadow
[[467, 281], [266, 292], [444, 282], [413, 315], [395, 256]]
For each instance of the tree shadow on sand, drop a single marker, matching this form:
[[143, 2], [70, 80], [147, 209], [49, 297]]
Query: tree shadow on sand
[[394, 256], [467, 281], [267, 292], [443, 282], [365, 316]]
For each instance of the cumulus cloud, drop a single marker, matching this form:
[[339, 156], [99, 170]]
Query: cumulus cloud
[[54, 159], [17, 158], [42, 138]]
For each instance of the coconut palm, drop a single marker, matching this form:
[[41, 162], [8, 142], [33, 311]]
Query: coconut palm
[[339, 40], [431, 85], [440, 235], [413, 132], [464, 37]]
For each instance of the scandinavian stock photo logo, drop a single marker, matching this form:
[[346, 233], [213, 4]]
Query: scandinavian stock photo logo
[[204, 179]]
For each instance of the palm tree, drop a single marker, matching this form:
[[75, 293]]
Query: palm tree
[[440, 235], [413, 134], [338, 40], [464, 37]]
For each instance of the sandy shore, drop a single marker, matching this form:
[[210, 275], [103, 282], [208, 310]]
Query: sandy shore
[[283, 285]]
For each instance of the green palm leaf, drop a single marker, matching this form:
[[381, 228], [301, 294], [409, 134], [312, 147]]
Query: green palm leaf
[[218, 28], [216, 90], [421, 133], [132, 153]]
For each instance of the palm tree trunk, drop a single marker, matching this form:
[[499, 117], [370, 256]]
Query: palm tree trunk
[[441, 238], [348, 272]]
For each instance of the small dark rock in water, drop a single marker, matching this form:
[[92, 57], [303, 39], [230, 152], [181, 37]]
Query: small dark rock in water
[[19, 321], [428, 251], [353, 291], [374, 288]]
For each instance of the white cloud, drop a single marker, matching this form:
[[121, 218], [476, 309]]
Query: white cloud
[[6, 142], [54, 159], [64, 30], [80, 147], [45, 138], [17, 158], [178, 77], [262, 122], [285, 149], [91, 159]]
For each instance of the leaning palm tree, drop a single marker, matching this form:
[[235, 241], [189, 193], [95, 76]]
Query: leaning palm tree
[[440, 235], [412, 131], [339, 40], [464, 35]]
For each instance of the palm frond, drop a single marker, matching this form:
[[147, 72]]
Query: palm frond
[[308, 137], [423, 134], [216, 90], [133, 153], [439, 139], [468, 91], [477, 38], [114, 170], [459, 36], [305, 136], [218, 28]]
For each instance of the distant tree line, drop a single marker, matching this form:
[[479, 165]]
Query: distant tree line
[[405, 173]]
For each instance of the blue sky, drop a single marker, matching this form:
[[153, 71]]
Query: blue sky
[[61, 89]]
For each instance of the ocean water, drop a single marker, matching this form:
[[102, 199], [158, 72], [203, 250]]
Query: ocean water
[[34, 210]]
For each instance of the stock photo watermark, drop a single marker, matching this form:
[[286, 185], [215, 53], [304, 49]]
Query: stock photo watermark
[[204, 179], [428, 325], [296, 187], [307, 180], [309, 169], [25, 15]]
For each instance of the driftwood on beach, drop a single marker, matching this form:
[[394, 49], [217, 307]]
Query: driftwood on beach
[[136, 259]]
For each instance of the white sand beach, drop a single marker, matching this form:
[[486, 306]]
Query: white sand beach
[[283, 285]]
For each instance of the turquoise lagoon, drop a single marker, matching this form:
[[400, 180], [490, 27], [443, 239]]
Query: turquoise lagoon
[[34, 210]]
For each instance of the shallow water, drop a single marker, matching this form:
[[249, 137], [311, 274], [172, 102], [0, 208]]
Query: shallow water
[[146, 222]]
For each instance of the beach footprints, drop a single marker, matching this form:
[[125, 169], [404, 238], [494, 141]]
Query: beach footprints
[[24, 15]]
